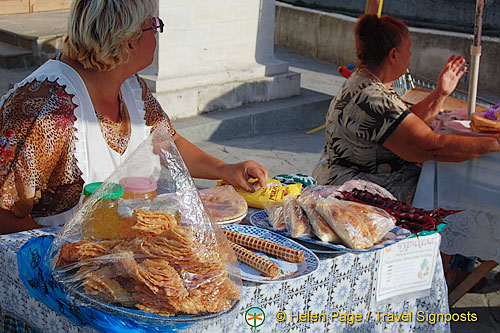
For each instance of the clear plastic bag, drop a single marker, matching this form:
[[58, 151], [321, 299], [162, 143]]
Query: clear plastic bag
[[223, 203], [365, 185], [296, 219], [319, 225], [276, 215], [165, 257], [359, 226], [323, 191]]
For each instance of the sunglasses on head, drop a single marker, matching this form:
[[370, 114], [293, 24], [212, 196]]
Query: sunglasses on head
[[156, 24]]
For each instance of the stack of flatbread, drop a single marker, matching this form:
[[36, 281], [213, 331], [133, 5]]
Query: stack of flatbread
[[224, 203], [479, 124]]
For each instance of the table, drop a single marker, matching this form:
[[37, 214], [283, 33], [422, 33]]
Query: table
[[415, 95], [473, 185], [343, 283]]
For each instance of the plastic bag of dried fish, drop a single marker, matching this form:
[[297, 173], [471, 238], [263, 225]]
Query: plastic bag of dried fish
[[164, 257]]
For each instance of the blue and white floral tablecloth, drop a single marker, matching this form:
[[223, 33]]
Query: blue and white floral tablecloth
[[343, 283]]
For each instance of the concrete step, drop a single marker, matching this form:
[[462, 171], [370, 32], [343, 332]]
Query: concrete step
[[40, 33], [12, 56], [306, 111]]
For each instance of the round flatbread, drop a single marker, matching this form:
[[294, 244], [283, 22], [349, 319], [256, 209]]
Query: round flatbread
[[224, 203]]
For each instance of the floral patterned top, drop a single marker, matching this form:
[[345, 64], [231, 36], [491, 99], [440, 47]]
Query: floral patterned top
[[38, 170], [360, 119]]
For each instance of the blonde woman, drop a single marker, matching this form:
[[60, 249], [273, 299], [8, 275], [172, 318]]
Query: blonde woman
[[75, 118]]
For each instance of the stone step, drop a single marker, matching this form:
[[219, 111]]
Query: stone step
[[40, 33], [12, 56], [306, 111]]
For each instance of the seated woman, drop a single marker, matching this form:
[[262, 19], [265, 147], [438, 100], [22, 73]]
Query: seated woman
[[372, 134], [78, 116]]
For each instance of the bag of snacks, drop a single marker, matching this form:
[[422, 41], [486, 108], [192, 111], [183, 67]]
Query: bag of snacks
[[320, 227], [276, 215], [152, 252], [359, 226], [272, 192], [296, 219]]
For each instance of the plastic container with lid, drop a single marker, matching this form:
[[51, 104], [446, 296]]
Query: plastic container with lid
[[103, 222], [138, 188]]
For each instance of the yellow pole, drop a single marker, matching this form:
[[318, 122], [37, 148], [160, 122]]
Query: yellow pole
[[374, 7], [316, 129]]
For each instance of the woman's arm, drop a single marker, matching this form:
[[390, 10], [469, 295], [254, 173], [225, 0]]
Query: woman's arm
[[428, 108], [203, 165], [414, 141], [10, 223]]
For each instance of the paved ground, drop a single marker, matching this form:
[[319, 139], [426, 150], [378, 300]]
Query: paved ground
[[293, 152]]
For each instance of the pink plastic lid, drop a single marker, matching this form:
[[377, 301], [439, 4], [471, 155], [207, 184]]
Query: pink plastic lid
[[138, 184]]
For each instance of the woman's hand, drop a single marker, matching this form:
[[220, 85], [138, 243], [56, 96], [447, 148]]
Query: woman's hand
[[451, 74], [239, 174], [9, 223], [203, 165]]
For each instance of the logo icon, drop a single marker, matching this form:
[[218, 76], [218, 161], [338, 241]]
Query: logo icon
[[255, 317]]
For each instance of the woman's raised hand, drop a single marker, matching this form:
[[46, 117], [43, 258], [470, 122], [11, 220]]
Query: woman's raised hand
[[453, 70]]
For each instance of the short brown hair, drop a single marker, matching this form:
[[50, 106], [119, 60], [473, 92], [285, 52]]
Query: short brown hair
[[375, 37], [98, 30]]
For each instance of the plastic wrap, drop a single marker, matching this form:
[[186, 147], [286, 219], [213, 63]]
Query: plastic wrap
[[276, 215], [296, 220], [323, 191], [163, 259], [223, 203], [365, 185], [359, 226], [319, 226]]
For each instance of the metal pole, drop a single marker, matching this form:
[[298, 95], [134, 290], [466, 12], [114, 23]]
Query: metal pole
[[374, 7], [475, 54]]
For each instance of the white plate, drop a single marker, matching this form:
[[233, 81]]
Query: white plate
[[462, 127], [261, 220], [288, 270], [232, 221]]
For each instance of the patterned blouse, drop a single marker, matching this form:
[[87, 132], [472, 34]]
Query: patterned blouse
[[360, 119], [38, 170]]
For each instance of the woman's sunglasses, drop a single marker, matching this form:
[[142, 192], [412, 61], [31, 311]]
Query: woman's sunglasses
[[156, 24]]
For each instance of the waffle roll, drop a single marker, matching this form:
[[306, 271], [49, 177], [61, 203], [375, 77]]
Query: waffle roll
[[266, 246], [253, 260]]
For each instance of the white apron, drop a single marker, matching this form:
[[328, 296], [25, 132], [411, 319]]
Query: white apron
[[95, 158]]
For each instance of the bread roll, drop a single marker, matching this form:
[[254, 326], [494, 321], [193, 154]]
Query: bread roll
[[479, 124], [360, 226], [296, 219], [346, 223], [319, 225]]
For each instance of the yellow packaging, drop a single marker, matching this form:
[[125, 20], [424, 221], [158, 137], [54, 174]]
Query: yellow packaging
[[267, 193]]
